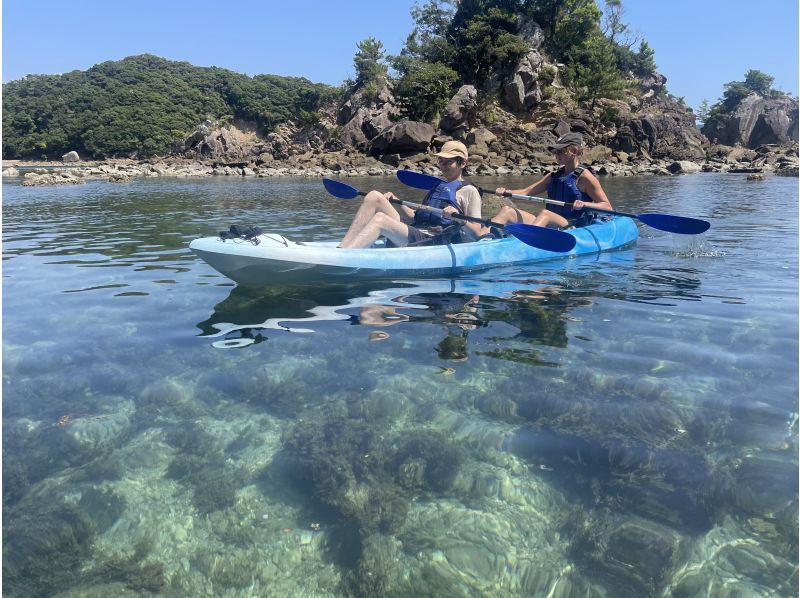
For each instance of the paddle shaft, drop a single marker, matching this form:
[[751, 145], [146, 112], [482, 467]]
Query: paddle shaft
[[672, 224], [555, 202], [439, 212]]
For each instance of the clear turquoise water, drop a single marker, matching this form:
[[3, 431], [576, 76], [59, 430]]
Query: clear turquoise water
[[623, 424]]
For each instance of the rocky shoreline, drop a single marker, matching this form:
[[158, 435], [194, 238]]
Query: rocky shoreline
[[768, 159]]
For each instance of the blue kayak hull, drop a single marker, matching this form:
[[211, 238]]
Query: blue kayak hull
[[277, 260]]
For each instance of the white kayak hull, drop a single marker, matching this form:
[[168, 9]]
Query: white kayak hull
[[278, 260]]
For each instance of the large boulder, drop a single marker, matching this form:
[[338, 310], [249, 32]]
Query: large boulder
[[756, 121], [210, 141], [665, 130], [531, 32], [479, 140], [363, 116], [352, 133], [652, 86], [71, 157], [404, 136], [458, 113], [523, 90], [684, 167]]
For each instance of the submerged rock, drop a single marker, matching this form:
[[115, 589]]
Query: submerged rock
[[721, 563], [368, 476], [91, 436], [635, 556], [44, 547]]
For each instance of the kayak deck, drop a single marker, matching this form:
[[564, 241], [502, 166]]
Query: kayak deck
[[277, 260]]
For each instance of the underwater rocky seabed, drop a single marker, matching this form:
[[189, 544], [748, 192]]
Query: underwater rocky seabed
[[616, 426]]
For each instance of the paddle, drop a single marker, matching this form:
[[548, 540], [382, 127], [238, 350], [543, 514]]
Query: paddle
[[418, 180], [548, 239], [665, 222]]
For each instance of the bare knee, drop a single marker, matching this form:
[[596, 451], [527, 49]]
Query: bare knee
[[548, 218], [507, 214], [374, 197]]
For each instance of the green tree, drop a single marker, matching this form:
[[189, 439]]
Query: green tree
[[546, 13], [369, 62], [644, 64], [488, 42], [759, 82], [425, 89], [430, 40], [568, 25], [578, 27], [597, 76], [703, 112]]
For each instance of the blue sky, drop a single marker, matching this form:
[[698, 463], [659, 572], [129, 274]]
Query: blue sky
[[699, 44]]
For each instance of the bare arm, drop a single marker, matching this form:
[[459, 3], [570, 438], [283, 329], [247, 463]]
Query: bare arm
[[406, 213], [533, 189], [589, 184]]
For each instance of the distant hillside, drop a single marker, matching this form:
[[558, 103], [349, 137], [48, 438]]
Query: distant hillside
[[140, 106]]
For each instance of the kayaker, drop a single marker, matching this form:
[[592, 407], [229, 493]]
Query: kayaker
[[404, 226], [570, 182]]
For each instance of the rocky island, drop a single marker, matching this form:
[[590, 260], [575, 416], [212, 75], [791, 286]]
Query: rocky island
[[507, 112]]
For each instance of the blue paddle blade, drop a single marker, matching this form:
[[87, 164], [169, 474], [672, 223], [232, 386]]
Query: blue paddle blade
[[675, 224], [542, 237], [418, 180], [340, 190]]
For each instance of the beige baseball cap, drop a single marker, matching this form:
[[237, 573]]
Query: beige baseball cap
[[453, 149]]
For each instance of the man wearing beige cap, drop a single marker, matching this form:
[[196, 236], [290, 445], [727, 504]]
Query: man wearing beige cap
[[403, 226]]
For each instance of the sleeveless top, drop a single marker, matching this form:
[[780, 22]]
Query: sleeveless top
[[564, 187]]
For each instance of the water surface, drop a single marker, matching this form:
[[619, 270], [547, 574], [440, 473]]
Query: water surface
[[621, 424]]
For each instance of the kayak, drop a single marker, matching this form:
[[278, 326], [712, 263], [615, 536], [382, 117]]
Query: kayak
[[275, 259]]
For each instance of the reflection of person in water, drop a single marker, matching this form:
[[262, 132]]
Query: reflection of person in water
[[538, 313], [453, 347], [380, 315], [458, 317], [541, 314]]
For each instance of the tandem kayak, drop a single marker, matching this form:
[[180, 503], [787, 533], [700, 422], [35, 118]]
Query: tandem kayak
[[278, 260]]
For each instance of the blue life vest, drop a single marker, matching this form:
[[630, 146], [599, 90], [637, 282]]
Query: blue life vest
[[441, 196], [565, 188]]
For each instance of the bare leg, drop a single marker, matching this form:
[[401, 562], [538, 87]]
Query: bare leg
[[551, 219], [509, 215], [373, 203], [380, 224]]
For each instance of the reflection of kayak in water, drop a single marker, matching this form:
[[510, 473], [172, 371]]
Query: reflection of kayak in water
[[248, 312], [276, 259]]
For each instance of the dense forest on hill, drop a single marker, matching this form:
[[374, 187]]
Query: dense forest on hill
[[141, 106]]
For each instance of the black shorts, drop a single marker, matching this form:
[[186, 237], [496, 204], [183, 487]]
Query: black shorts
[[415, 235]]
